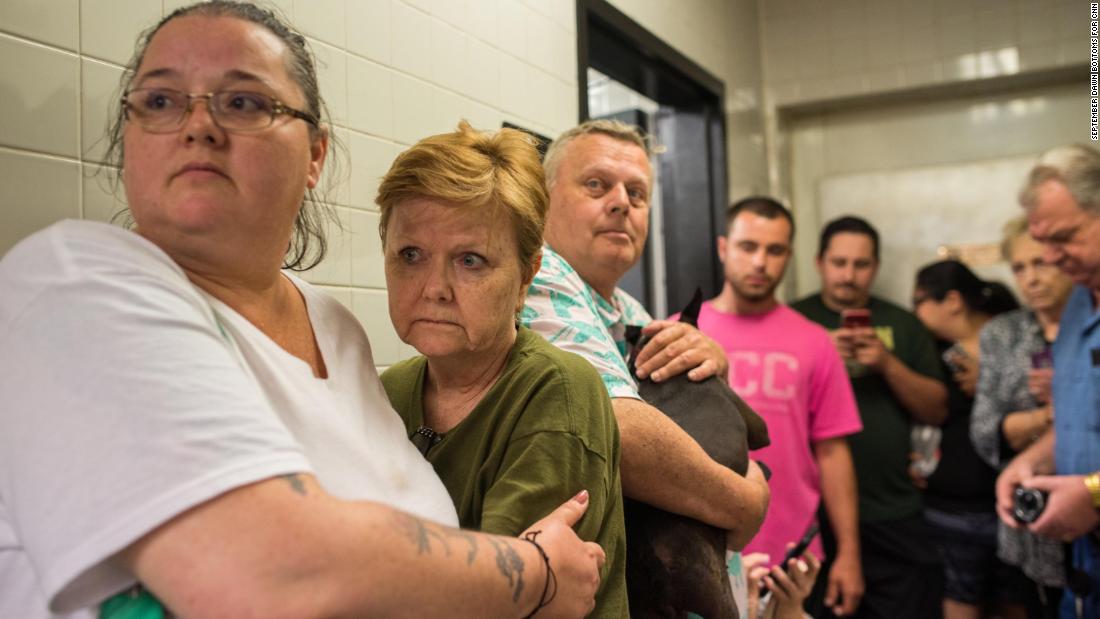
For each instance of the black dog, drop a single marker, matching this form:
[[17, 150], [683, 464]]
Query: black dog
[[675, 564]]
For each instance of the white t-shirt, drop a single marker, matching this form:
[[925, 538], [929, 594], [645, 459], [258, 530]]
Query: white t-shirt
[[127, 396]]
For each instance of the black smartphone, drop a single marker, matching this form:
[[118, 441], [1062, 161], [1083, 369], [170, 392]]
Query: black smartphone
[[801, 546]]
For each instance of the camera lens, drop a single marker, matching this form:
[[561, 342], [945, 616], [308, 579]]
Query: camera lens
[[1028, 504]]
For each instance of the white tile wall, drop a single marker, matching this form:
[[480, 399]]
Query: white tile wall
[[391, 71], [852, 47]]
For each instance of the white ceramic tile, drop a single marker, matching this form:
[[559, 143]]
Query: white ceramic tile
[[332, 75], [512, 22], [920, 44], [335, 269], [514, 75], [563, 61], [103, 198], [883, 52], [540, 96], [1037, 27], [44, 188], [456, 13], [815, 62], [370, 160], [425, 6], [335, 180], [1074, 20], [484, 117], [109, 28], [370, 97], [564, 112], [846, 56], [448, 109], [484, 15], [1039, 56], [484, 72], [412, 109], [884, 18], [539, 33], [953, 8], [1073, 52], [884, 80], [39, 107], [372, 310], [918, 13], [996, 29], [98, 100], [563, 12], [368, 29], [922, 73], [846, 24], [450, 57], [367, 266], [412, 31], [957, 35], [321, 19], [56, 22]]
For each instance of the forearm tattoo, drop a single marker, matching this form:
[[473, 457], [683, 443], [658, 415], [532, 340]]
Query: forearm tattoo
[[423, 534], [296, 483]]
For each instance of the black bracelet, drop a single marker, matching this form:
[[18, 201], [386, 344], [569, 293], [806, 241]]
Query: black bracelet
[[544, 601]]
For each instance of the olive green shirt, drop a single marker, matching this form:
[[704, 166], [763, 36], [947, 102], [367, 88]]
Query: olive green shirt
[[541, 434]]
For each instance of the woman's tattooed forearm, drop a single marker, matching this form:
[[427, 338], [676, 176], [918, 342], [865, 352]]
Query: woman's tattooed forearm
[[422, 535]]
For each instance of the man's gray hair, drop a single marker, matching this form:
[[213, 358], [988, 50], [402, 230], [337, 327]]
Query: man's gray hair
[[612, 128], [1075, 166]]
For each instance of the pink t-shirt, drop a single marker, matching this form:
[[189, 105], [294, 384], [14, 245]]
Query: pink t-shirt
[[788, 370]]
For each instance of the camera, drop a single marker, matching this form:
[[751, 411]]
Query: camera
[[1028, 504]]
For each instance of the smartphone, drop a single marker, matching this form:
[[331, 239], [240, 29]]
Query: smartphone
[[800, 547], [855, 318]]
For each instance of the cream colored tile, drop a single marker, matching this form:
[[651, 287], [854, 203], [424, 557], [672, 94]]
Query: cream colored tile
[[953, 8], [957, 35], [370, 97], [109, 28], [1073, 22], [883, 52], [1039, 56], [335, 269], [539, 35], [45, 189], [484, 16], [484, 117], [997, 29], [884, 80], [372, 310], [412, 109], [450, 57], [484, 72], [564, 113], [54, 23], [514, 75], [332, 75], [512, 22], [370, 160], [456, 13], [564, 54], [425, 6], [367, 266], [324, 20], [1037, 27], [448, 109], [335, 182], [103, 198], [918, 13], [368, 29], [412, 31], [39, 105], [846, 24], [923, 74], [98, 100], [920, 45], [540, 97], [563, 12], [846, 56]]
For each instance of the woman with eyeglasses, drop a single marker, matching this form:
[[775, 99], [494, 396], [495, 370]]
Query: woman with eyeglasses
[[1012, 408], [188, 423], [955, 304], [512, 424]]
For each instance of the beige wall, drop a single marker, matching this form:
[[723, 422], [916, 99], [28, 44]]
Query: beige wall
[[392, 72]]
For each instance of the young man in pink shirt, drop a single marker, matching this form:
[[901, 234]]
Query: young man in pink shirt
[[788, 370]]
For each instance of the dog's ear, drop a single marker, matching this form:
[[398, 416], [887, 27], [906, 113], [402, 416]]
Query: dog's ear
[[633, 334], [756, 431], [690, 314], [635, 341]]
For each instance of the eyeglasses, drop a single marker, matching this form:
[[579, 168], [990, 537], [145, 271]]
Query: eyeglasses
[[164, 110]]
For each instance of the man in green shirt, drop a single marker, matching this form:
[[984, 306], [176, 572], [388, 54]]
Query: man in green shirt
[[897, 381]]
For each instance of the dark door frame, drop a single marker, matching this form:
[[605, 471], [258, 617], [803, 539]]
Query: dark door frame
[[635, 57]]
